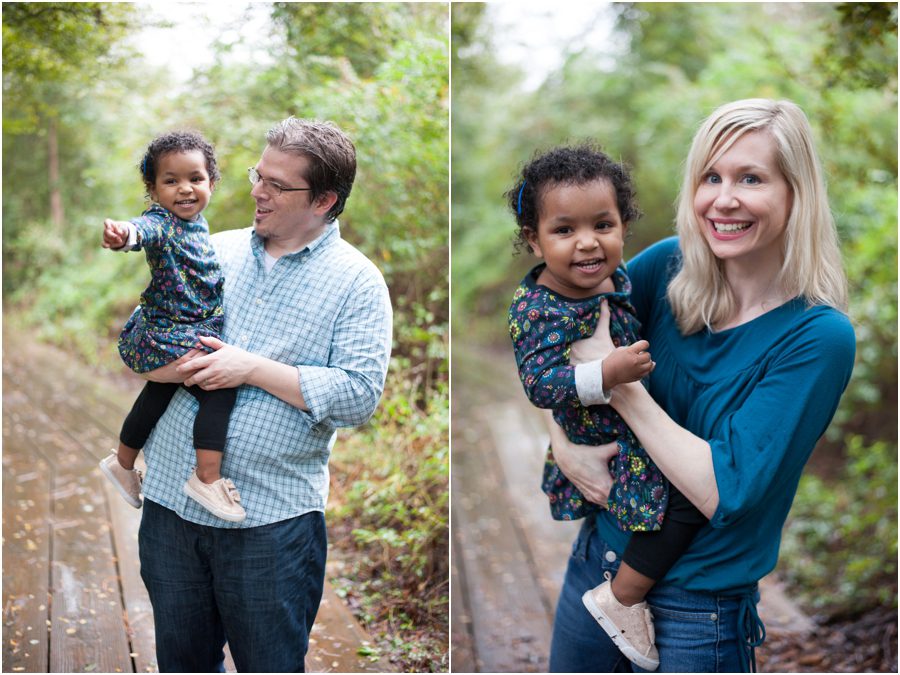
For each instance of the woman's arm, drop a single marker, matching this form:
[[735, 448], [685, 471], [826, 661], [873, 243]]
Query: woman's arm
[[587, 466], [685, 459]]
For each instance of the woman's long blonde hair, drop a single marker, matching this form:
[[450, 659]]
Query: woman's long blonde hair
[[699, 294]]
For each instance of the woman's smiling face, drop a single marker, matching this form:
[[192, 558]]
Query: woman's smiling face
[[743, 201]]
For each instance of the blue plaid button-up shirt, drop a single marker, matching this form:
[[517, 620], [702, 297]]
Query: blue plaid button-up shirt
[[324, 309]]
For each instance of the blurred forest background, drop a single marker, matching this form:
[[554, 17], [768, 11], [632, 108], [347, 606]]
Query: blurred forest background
[[642, 93], [80, 105]]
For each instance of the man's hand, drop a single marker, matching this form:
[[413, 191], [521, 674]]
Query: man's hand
[[115, 233], [170, 372], [225, 368], [627, 364]]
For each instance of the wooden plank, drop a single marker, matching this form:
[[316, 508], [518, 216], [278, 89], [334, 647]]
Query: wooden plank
[[103, 407], [510, 624], [462, 654], [26, 544], [520, 442], [138, 616], [86, 629]]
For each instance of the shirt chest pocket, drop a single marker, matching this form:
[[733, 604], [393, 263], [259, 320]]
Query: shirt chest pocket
[[302, 335]]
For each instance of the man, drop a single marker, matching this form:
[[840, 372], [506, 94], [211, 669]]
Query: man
[[307, 339]]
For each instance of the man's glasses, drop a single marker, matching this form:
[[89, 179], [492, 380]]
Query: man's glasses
[[271, 185]]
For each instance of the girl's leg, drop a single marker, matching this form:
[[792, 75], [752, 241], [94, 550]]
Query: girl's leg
[[145, 413], [630, 586], [209, 465], [211, 429], [619, 606], [126, 456], [206, 486], [650, 555]]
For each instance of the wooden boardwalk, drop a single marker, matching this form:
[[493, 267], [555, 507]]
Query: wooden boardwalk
[[73, 600], [508, 555]]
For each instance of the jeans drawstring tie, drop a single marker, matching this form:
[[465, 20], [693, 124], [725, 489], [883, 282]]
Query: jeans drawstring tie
[[753, 631]]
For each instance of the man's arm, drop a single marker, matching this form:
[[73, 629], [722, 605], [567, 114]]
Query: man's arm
[[231, 366], [346, 391]]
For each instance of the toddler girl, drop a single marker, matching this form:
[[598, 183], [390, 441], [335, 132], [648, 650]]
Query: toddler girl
[[573, 206], [182, 302]]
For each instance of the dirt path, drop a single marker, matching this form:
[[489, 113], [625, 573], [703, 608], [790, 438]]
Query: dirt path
[[73, 600], [509, 556]]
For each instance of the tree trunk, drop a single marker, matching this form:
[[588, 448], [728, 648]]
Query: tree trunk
[[56, 207]]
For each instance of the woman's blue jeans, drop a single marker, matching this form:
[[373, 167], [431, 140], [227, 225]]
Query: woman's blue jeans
[[257, 588], [695, 632]]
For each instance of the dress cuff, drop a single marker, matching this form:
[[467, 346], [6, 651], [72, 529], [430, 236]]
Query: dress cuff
[[132, 239], [589, 383]]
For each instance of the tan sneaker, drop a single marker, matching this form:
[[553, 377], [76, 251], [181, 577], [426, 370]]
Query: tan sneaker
[[221, 498], [630, 628], [127, 481]]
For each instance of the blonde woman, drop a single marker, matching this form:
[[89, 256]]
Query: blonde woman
[[745, 312]]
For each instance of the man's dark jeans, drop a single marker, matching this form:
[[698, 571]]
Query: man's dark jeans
[[258, 588]]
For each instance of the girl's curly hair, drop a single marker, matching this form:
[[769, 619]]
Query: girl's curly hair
[[567, 165], [176, 141]]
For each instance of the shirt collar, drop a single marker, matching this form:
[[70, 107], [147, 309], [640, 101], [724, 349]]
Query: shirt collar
[[331, 234]]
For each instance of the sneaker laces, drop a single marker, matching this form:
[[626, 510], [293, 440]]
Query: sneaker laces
[[651, 629], [230, 489]]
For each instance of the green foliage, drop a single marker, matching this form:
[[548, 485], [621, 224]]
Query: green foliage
[[869, 406], [362, 33], [856, 53], [840, 545], [392, 484], [53, 46]]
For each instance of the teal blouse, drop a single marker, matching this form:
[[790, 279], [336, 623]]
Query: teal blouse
[[761, 394]]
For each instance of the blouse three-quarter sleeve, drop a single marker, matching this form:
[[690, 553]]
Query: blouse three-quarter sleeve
[[772, 433]]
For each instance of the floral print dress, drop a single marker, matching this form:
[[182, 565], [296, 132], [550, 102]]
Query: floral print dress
[[543, 324], [184, 298]]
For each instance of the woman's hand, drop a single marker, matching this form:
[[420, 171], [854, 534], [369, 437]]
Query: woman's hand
[[587, 466], [597, 346]]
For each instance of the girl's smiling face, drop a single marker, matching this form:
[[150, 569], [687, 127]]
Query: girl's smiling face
[[580, 236], [182, 183]]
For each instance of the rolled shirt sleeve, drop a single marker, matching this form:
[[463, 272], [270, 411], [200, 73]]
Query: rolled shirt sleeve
[[346, 391]]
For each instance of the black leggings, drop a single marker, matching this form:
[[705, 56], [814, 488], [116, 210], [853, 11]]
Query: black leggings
[[654, 553], [210, 425]]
